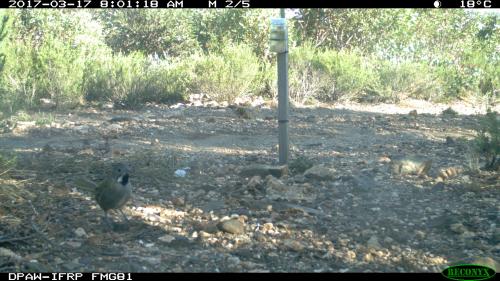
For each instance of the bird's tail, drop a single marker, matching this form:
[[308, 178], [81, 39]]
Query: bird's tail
[[85, 184]]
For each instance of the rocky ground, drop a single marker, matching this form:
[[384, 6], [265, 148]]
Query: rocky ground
[[386, 188]]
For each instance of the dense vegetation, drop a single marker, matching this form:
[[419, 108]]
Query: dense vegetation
[[138, 56]]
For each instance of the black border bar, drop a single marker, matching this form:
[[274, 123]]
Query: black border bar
[[464, 4], [51, 276]]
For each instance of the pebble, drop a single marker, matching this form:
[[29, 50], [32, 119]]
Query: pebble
[[232, 226], [294, 245], [373, 243], [458, 228], [80, 232], [167, 238], [351, 255]]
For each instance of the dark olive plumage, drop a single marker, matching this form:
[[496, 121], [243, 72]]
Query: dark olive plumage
[[115, 191]]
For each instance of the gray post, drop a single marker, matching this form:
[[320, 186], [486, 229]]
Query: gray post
[[283, 101]]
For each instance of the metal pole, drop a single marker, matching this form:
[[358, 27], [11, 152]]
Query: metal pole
[[283, 101]]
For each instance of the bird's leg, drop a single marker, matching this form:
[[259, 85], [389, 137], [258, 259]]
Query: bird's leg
[[123, 214], [106, 219]]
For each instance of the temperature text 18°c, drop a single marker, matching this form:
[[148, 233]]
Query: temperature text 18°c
[[475, 4]]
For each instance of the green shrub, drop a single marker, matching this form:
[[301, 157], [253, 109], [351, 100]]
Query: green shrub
[[45, 57], [353, 74], [305, 80], [133, 79], [215, 29], [114, 77], [227, 75], [266, 81], [167, 81], [401, 80], [488, 140], [329, 75], [167, 33]]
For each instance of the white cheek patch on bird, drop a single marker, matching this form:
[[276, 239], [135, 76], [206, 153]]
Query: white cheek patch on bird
[[123, 179]]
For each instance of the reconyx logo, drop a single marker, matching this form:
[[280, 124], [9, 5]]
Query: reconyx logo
[[469, 272]]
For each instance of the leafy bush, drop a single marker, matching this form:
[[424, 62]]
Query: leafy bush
[[227, 75], [401, 80], [134, 79], [114, 77], [167, 81], [45, 55], [216, 29], [353, 74], [329, 75], [488, 140], [167, 33], [305, 80]]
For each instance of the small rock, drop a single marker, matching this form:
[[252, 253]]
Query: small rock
[[6, 253], [212, 103], [264, 170], [311, 119], [73, 244], [267, 227], [179, 201], [420, 234], [468, 234], [344, 270], [115, 127], [83, 129], [210, 228], [108, 105], [22, 126], [152, 260], [47, 104], [71, 266], [293, 245], [167, 238], [233, 226], [408, 165], [368, 257], [275, 184], [320, 172], [458, 228], [86, 151], [351, 255], [384, 159], [373, 243], [260, 237], [258, 101], [388, 240], [254, 182], [204, 235], [80, 232], [118, 119]]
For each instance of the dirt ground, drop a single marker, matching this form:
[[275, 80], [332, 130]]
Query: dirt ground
[[357, 216]]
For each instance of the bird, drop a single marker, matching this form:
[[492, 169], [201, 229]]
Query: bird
[[113, 192]]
